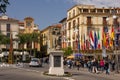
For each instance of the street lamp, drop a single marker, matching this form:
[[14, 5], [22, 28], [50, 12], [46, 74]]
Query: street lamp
[[116, 55], [115, 40]]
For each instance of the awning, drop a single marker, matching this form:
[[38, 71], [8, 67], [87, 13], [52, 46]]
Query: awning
[[78, 55], [70, 57]]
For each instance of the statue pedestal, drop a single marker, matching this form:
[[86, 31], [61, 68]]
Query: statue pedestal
[[56, 63]]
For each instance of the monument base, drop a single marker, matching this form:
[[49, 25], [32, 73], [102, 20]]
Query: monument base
[[56, 71]]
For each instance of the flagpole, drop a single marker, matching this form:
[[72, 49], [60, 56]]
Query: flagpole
[[77, 30]]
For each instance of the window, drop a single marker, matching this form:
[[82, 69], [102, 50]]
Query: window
[[88, 30], [69, 25], [8, 34], [78, 20], [74, 22], [8, 27], [80, 10], [107, 11], [69, 15], [104, 22], [89, 22], [93, 10], [115, 22], [99, 10], [73, 12], [85, 10], [74, 45]]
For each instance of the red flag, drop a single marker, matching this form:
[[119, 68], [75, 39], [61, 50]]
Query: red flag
[[91, 39]]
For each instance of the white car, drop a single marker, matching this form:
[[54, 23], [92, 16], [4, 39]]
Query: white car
[[35, 62]]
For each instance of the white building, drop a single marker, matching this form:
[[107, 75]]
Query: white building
[[8, 25]]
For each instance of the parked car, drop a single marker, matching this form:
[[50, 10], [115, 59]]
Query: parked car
[[35, 62]]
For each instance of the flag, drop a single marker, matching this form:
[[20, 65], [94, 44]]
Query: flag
[[88, 44], [112, 34], [95, 40], [112, 37], [91, 39], [78, 44], [98, 36], [78, 41], [81, 42], [107, 39], [104, 39], [84, 44], [111, 42]]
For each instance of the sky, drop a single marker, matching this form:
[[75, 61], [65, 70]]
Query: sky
[[49, 12]]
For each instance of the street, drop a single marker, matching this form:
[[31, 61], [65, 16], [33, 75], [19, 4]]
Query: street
[[23, 74], [35, 73]]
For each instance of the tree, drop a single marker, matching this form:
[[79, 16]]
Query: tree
[[3, 5], [28, 38], [68, 51], [4, 39]]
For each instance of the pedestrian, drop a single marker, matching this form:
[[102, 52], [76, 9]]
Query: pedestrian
[[78, 64], [107, 67], [95, 66], [89, 65], [113, 65], [69, 62], [102, 64]]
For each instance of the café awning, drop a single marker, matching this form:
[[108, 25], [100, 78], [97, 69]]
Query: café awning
[[70, 57]]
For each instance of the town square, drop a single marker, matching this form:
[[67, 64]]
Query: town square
[[60, 40]]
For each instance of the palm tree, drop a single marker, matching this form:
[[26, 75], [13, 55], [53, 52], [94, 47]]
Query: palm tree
[[35, 39], [28, 38]]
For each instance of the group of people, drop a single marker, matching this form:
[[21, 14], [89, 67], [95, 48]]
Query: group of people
[[97, 66], [93, 65]]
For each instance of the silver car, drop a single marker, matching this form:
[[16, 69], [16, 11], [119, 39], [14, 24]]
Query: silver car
[[35, 62]]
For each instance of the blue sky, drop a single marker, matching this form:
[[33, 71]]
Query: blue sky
[[48, 12], [44, 12]]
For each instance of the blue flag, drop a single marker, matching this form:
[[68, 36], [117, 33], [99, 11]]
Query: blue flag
[[95, 40]]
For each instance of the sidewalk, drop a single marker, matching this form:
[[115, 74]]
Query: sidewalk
[[11, 65], [6, 65], [112, 75]]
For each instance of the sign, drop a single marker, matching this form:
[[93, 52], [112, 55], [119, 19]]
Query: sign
[[57, 61]]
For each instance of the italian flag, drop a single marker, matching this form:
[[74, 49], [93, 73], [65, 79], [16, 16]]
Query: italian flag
[[98, 35]]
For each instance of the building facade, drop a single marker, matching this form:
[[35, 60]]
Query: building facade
[[51, 37], [85, 22], [26, 27], [9, 26], [63, 33]]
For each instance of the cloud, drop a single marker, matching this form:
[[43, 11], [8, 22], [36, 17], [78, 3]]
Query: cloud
[[99, 3]]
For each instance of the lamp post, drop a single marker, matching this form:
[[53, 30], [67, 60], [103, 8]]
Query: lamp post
[[115, 50], [115, 39]]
